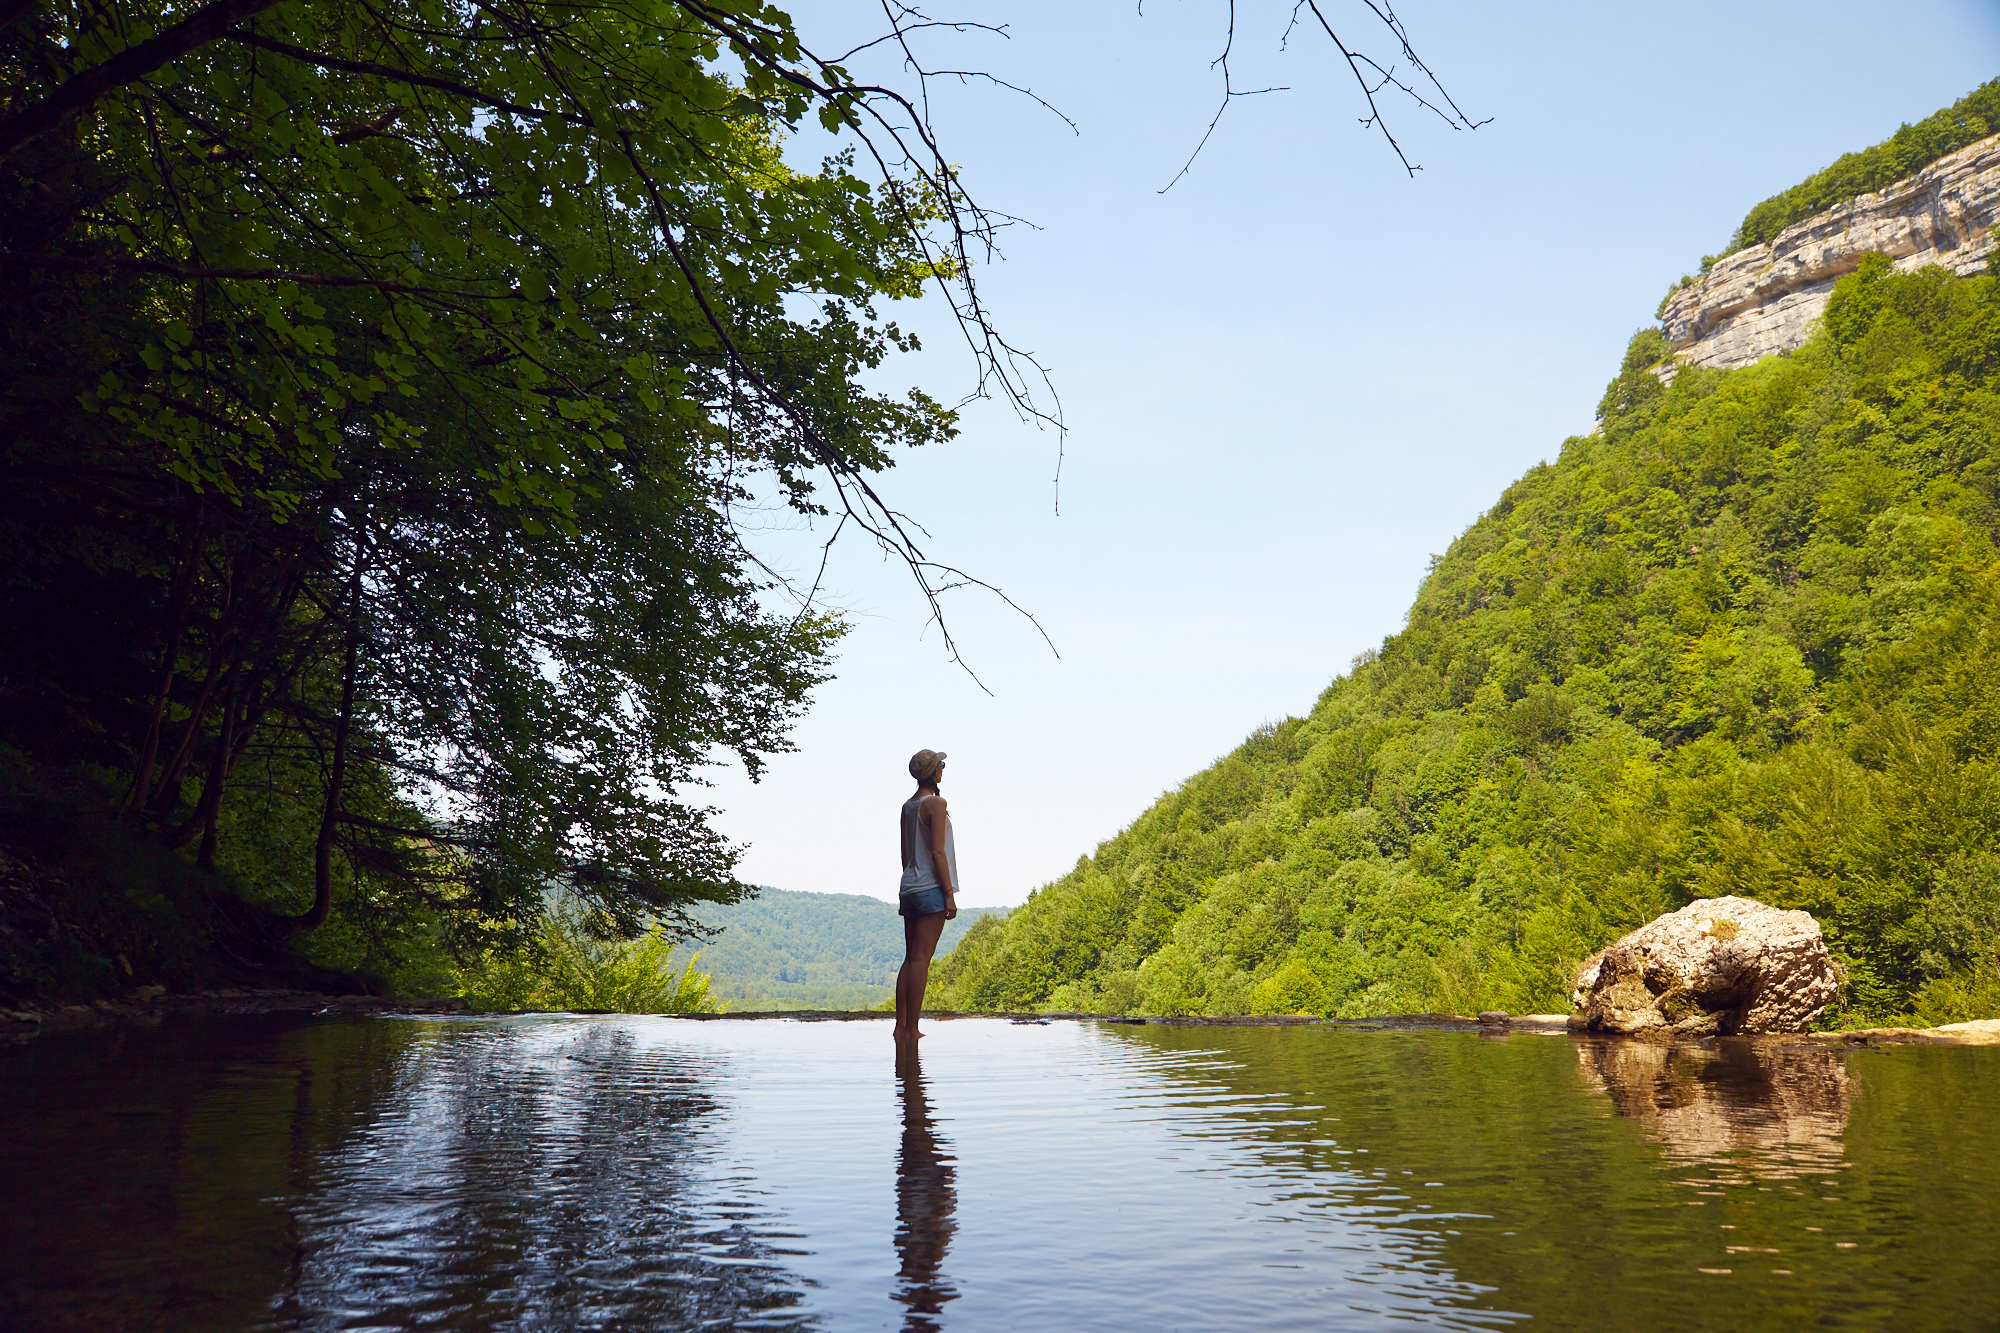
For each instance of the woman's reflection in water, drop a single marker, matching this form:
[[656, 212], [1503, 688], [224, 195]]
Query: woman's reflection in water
[[925, 1201]]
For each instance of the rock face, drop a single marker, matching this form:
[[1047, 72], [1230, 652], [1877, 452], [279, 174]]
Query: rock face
[[1761, 300], [1717, 966]]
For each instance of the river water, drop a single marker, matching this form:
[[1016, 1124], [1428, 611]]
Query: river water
[[572, 1172]]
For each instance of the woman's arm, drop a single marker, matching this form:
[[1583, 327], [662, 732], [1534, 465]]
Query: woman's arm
[[937, 816]]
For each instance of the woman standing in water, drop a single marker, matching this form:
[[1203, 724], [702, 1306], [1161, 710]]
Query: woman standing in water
[[929, 888]]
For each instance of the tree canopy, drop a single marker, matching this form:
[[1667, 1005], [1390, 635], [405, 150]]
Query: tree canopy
[[378, 382]]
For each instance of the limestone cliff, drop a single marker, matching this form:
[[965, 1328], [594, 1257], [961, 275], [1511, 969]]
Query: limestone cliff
[[1762, 299]]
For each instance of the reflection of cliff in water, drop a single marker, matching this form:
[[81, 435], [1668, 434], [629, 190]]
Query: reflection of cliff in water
[[1775, 1111]]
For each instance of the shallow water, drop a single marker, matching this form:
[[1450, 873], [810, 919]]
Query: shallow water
[[632, 1173]]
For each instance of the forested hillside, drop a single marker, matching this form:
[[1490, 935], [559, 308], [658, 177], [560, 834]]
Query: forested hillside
[[1744, 638], [790, 950]]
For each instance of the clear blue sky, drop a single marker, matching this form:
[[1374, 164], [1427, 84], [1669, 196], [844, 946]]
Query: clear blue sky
[[1288, 381]]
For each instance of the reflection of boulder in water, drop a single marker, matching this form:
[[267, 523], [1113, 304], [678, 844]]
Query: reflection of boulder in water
[[1777, 1111]]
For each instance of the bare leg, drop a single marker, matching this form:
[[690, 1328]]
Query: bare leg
[[920, 938]]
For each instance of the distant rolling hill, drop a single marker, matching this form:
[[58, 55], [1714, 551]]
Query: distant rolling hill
[[789, 950]]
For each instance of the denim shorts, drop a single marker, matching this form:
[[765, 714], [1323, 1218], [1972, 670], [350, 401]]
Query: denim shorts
[[921, 902]]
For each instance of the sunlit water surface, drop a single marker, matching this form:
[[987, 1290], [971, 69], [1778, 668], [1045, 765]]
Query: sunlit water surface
[[635, 1173]]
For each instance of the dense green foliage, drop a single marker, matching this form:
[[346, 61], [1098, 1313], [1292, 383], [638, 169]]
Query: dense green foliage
[[376, 384], [789, 950], [1909, 150], [568, 965], [1745, 638]]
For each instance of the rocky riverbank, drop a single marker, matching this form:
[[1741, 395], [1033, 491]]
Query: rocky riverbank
[[1977, 1032], [152, 1003]]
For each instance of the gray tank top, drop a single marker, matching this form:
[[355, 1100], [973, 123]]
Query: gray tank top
[[919, 867]]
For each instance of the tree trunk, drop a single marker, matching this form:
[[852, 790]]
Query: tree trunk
[[167, 790], [208, 812], [178, 602], [329, 822]]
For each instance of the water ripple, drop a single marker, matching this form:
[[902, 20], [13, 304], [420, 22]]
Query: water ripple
[[646, 1173]]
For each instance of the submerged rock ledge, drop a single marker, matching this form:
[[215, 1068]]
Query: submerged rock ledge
[[28, 1021], [1975, 1032]]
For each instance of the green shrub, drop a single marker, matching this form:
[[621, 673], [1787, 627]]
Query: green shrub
[[567, 966]]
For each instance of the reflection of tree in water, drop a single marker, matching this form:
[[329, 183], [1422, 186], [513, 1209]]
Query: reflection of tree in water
[[1776, 1111], [925, 1201]]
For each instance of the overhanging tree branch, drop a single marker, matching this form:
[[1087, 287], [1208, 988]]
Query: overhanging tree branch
[[128, 66], [1457, 119], [136, 263], [394, 75], [872, 514]]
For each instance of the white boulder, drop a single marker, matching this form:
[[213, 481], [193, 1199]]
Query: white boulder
[[1717, 966]]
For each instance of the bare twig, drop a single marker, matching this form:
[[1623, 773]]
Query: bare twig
[[1457, 119], [1229, 94], [1371, 76]]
